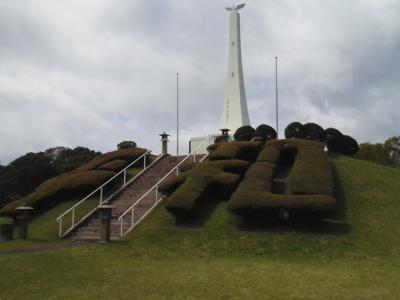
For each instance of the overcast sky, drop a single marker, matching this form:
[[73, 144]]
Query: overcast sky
[[94, 73]]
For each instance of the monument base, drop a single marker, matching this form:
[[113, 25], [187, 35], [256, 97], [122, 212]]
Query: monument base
[[199, 144]]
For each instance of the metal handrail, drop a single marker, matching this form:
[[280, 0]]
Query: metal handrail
[[176, 168], [100, 188]]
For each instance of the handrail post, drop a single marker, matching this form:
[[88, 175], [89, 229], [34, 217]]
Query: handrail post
[[73, 217], [101, 195], [144, 162], [124, 177], [60, 228], [156, 193], [132, 219], [122, 224]]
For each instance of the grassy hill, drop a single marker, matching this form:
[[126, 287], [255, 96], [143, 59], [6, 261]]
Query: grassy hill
[[356, 257]]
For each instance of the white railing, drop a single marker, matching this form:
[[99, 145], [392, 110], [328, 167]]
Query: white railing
[[131, 210], [100, 189]]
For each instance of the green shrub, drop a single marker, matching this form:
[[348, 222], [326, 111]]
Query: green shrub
[[212, 147], [309, 181], [244, 133], [186, 166], [332, 132], [294, 130], [114, 165], [129, 155], [236, 150], [189, 189], [312, 131], [344, 144], [126, 145], [311, 173], [52, 190], [265, 132]]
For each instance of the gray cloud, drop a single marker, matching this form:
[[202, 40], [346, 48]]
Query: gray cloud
[[94, 73]]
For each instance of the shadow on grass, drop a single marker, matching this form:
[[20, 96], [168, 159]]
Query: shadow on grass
[[205, 207]]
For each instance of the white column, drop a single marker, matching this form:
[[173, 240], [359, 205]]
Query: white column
[[235, 113]]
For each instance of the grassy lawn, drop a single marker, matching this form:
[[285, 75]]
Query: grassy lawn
[[356, 258]]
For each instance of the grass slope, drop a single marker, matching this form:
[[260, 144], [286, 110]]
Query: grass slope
[[358, 259]]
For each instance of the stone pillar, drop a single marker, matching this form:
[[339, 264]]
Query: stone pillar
[[22, 217], [105, 212], [164, 142]]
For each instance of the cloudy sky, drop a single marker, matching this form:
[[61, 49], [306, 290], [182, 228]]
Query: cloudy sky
[[96, 72]]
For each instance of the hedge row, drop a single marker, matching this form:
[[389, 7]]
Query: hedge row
[[191, 187], [236, 150], [77, 182], [309, 182], [53, 189]]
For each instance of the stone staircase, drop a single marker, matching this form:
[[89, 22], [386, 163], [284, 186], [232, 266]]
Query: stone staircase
[[89, 229]]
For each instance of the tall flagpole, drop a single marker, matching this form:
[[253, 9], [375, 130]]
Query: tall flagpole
[[177, 114], [276, 96]]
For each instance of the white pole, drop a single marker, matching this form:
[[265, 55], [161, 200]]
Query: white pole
[[276, 96], [177, 114]]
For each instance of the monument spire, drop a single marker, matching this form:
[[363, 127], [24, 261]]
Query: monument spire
[[235, 113]]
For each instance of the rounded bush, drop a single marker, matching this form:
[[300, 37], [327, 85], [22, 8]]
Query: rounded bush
[[265, 132], [344, 144], [244, 133], [126, 145], [332, 132], [312, 131], [294, 130], [351, 145]]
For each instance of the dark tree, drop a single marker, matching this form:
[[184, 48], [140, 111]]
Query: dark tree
[[69, 159], [265, 132], [33, 169], [244, 133], [294, 130], [126, 144]]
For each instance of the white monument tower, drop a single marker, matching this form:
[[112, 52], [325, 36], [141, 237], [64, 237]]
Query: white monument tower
[[235, 113]]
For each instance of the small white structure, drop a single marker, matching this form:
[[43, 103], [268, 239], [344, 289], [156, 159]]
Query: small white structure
[[235, 113]]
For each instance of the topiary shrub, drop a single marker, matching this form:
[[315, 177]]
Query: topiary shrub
[[212, 147], [332, 132], [126, 145], [129, 155], [294, 130], [52, 191], [351, 145], [309, 183], [265, 132], [188, 190], [115, 165], [236, 150], [244, 133], [344, 144], [312, 131]]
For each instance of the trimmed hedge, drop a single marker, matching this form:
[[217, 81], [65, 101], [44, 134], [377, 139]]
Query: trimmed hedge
[[244, 133], [115, 165], [265, 132], [344, 144], [209, 177], [129, 155], [236, 150], [309, 181], [69, 184], [312, 131], [294, 130]]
